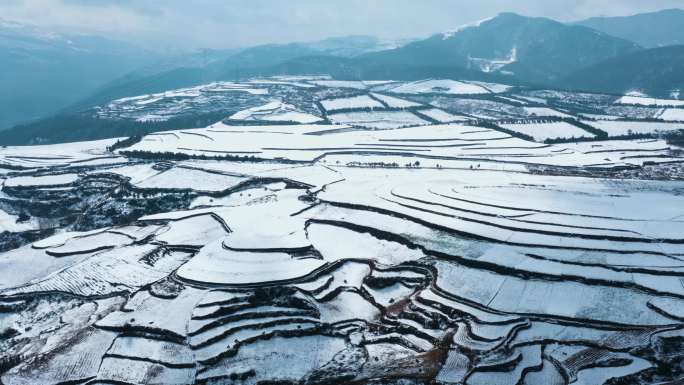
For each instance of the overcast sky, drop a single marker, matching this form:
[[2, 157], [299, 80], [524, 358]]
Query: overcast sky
[[239, 23]]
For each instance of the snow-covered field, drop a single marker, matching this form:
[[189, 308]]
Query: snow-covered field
[[306, 143], [359, 85], [275, 111], [672, 114], [11, 223], [363, 101], [440, 86], [163, 106], [393, 102], [618, 128], [443, 116], [378, 119], [542, 131], [64, 154], [544, 111], [366, 247], [646, 101]]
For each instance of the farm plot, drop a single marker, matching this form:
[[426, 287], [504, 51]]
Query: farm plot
[[12, 223], [55, 154], [43, 180], [184, 178], [356, 102], [357, 85], [440, 86], [283, 81], [275, 111], [646, 101], [567, 98], [443, 116], [206, 98], [214, 264], [478, 108], [443, 209], [393, 102], [672, 114], [620, 128], [554, 130], [381, 120], [545, 111]]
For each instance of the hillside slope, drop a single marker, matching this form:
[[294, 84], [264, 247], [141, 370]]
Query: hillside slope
[[651, 30], [530, 49], [44, 72], [657, 72]]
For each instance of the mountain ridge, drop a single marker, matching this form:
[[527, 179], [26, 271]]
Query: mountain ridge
[[650, 30], [531, 49], [658, 72], [47, 71]]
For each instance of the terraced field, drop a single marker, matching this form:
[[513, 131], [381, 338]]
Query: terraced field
[[450, 253]]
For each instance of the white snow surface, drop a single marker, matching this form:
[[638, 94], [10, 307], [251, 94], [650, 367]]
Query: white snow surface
[[646, 101], [618, 128], [448, 142], [672, 114], [378, 119], [450, 34], [440, 86], [275, 111], [443, 116], [362, 101], [44, 180], [8, 222], [393, 102], [214, 264], [542, 131], [545, 111]]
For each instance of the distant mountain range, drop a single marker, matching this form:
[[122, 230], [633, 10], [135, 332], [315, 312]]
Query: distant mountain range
[[228, 65], [650, 30], [535, 50], [508, 48], [46, 73], [42, 72]]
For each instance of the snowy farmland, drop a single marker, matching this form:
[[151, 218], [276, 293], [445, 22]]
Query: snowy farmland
[[672, 114], [543, 131], [163, 106], [440, 86], [646, 101], [619, 128], [403, 233], [443, 116], [356, 102], [275, 111], [378, 119]]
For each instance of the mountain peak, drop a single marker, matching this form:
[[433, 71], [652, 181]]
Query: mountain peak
[[503, 16], [509, 14], [672, 10], [449, 34]]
